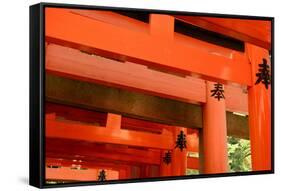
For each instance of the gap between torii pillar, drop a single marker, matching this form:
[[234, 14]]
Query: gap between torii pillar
[[259, 104], [214, 136]]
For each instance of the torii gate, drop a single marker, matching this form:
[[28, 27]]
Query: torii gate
[[157, 46]]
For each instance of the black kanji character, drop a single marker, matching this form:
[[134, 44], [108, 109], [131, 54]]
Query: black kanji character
[[167, 157], [218, 92], [181, 141], [102, 176], [263, 74]]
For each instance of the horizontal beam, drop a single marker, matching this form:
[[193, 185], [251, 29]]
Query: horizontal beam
[[90, 96], [159, 23], [90, 133], [60, 148], [65, 163], [53, 161], [67, 174], [120, 159], [77, 115], [237, 126], [142, 125], [68, 29], [72, 63], [99, 118], [129, 104], [257, 32], [113, 18]]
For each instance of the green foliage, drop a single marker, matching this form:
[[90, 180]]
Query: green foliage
[[239, 154], [192, 171]]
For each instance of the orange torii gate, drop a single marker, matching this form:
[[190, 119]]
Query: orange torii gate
[[63, 136], [156, 45]]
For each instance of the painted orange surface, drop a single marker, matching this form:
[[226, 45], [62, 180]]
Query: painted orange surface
[[236, 98], [113, 121], [192, 163], [114, 19], [179, 164], [68, 62], [161, 27], [91, 133], [72, 63], [142, 48], [151, 50], [165, 169], [77, 115], [93, 117], [63, 152], [62, 148], [259, 113], [78, 175], [142, 125], [92, 155], [83, 163], [214, 134], [193, 141]]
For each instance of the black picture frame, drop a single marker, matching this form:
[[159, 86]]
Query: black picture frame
[[37, 95]]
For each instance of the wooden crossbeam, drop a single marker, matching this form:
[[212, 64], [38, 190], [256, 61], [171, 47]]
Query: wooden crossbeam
[[70, 95], [72, 63], [53, 161], [113, 18], [257, 32], [89, 174], [105, 156], [113, 121], [90, 133], [143, 125], [68, 29], [99, 118], [129, 104], [62, 148], [69, 175]]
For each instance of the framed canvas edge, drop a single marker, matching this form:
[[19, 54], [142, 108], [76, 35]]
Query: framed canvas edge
[[37, 96]]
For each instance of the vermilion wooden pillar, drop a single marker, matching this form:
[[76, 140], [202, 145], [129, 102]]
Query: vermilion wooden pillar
[[259, 102], [113, 121], [165, 169], [145, 171], [162, 27], [214, 134], [179, 158], [122, 174], [125, 173], [162, 30]]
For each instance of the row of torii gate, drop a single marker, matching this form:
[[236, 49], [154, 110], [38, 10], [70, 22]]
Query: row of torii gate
[[87, 145]]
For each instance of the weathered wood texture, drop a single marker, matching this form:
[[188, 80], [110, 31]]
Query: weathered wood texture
[[131, 104]]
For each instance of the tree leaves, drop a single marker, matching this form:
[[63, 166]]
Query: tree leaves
[[239, 154]]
